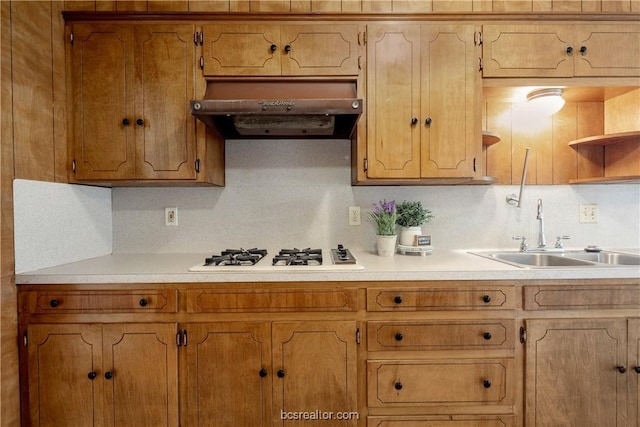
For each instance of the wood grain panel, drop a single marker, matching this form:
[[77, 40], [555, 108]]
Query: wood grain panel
[[210, 301], [564, 158], [32, 78], [580, 297], [499, 161], [160, 301], [590, 119], [443, 421]]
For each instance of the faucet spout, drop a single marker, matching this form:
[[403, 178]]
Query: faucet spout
[[542, 242]]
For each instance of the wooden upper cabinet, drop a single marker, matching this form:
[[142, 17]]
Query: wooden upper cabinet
[[103, 101], [423, 109], [275, 50], [609, 50], [165, 58], [130, 90], [561, 50]]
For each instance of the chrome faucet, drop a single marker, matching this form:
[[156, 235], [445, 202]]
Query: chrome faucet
[[542, 242]]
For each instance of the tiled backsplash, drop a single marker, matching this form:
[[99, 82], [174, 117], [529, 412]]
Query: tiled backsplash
[[297, 193]]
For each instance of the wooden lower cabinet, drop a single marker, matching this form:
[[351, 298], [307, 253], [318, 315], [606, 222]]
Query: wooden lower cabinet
[[271, 374], [582, 372], [103, 375]]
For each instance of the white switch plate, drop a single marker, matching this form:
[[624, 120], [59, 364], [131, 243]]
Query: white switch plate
[[354, 215], [171, 217], [589, 213]]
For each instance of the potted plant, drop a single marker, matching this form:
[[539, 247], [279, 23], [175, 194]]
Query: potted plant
[[410, 217], [384, 217]]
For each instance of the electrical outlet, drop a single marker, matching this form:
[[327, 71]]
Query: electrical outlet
[[589, 213], [354, 215], [171, 217]]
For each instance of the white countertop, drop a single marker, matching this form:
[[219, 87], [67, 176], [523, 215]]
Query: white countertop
[[437, 265]]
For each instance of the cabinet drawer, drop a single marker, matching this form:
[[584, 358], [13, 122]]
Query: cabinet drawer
[[443, 421], [441, 335], [581, 297], [437, 383], [453, 298], [208, 301], [157, 301]]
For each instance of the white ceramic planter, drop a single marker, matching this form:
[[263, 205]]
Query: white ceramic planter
[[386, 245], [408, 234]]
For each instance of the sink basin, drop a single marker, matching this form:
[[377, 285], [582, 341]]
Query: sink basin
[[568, 259], [612, 258]]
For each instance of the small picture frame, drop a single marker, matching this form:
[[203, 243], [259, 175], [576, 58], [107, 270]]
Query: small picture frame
[[422, 241]]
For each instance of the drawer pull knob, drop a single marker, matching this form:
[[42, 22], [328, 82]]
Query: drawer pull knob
[[397, 299], [108, 375], [398, 386], [143, 302], [280, 373], [92, 375], [263, 372], [273, 48], [622, 369], [486, 384], [637, 369], [54, 303], [399, 336], [487, 335], [486, 298]]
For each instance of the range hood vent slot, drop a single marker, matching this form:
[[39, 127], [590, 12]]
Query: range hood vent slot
[[276, 109]]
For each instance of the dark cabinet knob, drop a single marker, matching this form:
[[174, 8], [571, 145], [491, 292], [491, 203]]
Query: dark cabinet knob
[[273, 48], [287, 48], [280, 373], [126, 122], [569, 50], [486, 384], [108, 375], [399, 336], [486, 298], [583, 50], [54, 303], [622, 369], [140, 122], [428, 121], [414, 120], [397, 299], [263, 372], [92, 375], [143, 302], [637, 369], [398, 385], [487, 335]]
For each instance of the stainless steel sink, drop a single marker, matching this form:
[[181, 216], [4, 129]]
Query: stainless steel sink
[[612, 258], [568, 259]]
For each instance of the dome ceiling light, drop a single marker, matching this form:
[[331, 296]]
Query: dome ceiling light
[[548, 100]]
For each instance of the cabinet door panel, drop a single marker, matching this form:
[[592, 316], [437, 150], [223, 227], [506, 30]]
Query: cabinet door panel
[[165, 68], [575, 357], [449, 142], [318, 363], [63, 394], [102, 85], [611, 50], [241, 50], [143, 361], [226, 385], [322, 50], [393, 94], [527, 51]]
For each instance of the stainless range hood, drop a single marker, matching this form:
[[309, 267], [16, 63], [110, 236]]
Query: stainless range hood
[[277, 109]]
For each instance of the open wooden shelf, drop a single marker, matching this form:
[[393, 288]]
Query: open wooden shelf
[[614, 138], [489, 138], [607, 180]]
